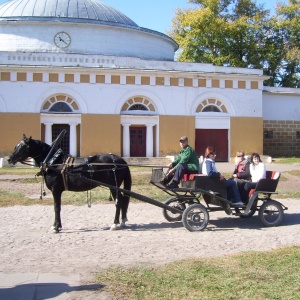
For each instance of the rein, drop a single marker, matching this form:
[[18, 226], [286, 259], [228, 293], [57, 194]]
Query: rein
[[114, 164], [26, 162]]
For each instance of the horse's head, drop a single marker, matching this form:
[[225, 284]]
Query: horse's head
[[20, 153]]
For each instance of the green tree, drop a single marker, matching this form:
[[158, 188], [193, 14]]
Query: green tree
[[240, 33], [197, 43], [219, 32], [288, 24]]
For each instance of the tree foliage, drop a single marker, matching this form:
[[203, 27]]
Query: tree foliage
[[240, 33]]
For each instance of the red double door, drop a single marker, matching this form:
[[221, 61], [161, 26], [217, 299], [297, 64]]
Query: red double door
[[217, 138], [137, 141]]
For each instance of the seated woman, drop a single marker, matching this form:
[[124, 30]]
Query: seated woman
[[209, 169], [241, 173], [257, 171]]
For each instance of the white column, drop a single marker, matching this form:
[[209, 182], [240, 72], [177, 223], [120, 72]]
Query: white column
[[48, 133], [73, 139], [149, 140], [126, 140]]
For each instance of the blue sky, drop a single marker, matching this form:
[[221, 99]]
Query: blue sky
[[157, 14]]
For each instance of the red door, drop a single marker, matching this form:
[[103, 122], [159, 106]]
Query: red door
[[137, 141], [217, 138]]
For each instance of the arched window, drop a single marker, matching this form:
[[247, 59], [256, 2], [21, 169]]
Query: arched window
[[211, 108], [211, 105], [60, 104], [138, 104], [60, 107], [138, 107]]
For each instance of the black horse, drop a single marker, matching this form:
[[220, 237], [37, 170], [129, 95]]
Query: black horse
[[62, 172]]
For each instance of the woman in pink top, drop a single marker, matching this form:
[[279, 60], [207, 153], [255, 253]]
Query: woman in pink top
[[257, 171]]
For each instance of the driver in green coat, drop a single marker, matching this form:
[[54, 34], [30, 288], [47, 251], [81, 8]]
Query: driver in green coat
[[186, 162]]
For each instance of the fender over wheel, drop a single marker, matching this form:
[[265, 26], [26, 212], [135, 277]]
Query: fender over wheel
[[195, 217], [271, 213]]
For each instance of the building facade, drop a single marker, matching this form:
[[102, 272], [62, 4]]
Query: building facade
[[116, 88]]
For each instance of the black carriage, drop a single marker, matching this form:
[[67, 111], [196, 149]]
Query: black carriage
[[196, 187]]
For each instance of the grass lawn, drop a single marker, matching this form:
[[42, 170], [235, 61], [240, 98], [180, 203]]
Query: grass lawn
[[251, 275]]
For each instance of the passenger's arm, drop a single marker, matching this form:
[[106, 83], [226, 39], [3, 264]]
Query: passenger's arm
[[209, 169]]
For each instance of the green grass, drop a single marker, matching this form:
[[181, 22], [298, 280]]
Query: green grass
[[251, 275], [19, 171], [283, 194], [286, 160]]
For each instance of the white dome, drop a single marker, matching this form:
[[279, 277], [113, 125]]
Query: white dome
[[94, 28], [88, 11]]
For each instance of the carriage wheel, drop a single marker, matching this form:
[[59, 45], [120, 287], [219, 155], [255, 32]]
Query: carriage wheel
[[195, 217], [170, 216], [271, 213]]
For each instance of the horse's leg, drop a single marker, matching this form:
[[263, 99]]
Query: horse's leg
[[124, 208], [57, 207], [118, 209]]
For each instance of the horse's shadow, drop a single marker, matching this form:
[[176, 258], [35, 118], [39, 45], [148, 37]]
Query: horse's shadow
[[40, 291], [129, 227], [149, 226]]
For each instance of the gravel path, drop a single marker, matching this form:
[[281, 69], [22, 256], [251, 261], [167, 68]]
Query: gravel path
[[87, 245]]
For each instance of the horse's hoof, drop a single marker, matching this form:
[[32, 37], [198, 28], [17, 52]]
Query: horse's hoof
[[114, 227], [55, 230]]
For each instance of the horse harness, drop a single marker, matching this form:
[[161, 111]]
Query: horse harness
[[72, 163]]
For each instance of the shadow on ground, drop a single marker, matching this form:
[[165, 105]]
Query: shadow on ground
[[39, 291]]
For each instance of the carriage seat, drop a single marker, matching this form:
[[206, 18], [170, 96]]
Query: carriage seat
[[268, 184], [187, 177]]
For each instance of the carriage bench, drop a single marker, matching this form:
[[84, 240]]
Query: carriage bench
[[267, 184]]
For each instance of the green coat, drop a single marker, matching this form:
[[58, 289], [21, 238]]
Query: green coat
[[187, 156]]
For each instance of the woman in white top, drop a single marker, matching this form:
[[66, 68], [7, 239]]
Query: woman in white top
[[257, 171]]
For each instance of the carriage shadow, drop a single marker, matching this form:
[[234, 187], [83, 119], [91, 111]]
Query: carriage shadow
[[44, 290], [230, 223]]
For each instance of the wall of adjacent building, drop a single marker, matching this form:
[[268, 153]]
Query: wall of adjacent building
[[281, 111]]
